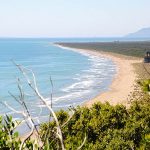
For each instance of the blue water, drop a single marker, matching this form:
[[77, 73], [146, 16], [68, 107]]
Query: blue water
[[77, 77]]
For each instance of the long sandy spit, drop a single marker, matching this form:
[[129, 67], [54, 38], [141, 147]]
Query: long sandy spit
[[123, 83]]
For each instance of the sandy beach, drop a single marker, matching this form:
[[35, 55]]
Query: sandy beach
[[123, 82]]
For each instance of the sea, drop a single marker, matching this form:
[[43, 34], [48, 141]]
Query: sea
[[67, 78]]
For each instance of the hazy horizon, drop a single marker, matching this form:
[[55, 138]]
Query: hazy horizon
[[72, 19]]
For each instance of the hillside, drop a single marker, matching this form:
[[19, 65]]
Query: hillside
[[142, 33]]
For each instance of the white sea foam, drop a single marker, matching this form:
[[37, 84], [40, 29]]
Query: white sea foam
[[70, 96], [83, 85], [100, 69]]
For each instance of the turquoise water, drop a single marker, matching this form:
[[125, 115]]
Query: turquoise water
[[77, 77]]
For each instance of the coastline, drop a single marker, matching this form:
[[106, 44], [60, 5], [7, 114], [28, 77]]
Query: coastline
[[123, 82]]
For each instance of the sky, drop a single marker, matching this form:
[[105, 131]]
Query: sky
[[72, 18]]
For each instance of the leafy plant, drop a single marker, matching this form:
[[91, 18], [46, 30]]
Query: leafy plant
[[8, 138], [145, 84], [107, 127]]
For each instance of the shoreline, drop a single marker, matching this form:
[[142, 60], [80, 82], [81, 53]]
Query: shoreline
[[123, 81], [115, 94]]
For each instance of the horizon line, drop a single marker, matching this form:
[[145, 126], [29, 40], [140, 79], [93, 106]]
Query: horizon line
[[60, 37]]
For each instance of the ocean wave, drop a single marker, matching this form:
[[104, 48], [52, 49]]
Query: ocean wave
[[74, 81]]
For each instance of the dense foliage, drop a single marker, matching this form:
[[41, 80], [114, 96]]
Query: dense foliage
[[100, 127], [137, 48], [105, 126], [8, 138], [145, 84]]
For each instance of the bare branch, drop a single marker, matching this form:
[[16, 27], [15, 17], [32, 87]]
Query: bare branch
[[12, 109], [27, 118], [29, 135], [51, 91], [73, 112], [82, 143], [23, 102], [16, 99], [8, 130], [41, 110], [34, 87]]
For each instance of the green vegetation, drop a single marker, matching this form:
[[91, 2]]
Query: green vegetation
[[104, 126], [101, 127], [136, 49], [145, 84], [8, 139]]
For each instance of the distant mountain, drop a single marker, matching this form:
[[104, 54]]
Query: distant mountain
[[143, 33]]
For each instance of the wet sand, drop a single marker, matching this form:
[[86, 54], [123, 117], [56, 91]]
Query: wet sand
[[123, 82]]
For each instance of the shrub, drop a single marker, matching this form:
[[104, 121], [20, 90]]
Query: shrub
[[107, 127]]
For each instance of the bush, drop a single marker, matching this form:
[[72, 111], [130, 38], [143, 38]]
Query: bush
[[8, 138], [106, 127]]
